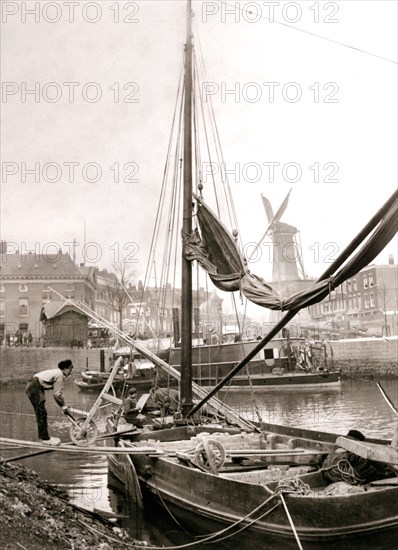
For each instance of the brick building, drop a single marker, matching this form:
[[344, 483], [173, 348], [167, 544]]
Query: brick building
[[29, 281], [364, 304], [102, 280]]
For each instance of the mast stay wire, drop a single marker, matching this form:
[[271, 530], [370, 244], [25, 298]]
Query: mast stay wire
[[233, 219], [315, 35], [171, 236], [226, 187], [155, 234]]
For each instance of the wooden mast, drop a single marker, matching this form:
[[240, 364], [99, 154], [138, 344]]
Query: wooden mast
[[186, 280]]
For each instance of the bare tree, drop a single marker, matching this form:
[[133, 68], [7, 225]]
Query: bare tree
[[383, 299], [115, 291]]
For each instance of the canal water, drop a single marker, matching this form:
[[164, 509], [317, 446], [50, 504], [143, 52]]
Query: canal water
[[358, 404]]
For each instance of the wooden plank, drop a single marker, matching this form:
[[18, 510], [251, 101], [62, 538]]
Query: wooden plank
[[274, 452], [78, 412], [370, 451], [112, 399], [142, 401], [385, 482], [74, 449]]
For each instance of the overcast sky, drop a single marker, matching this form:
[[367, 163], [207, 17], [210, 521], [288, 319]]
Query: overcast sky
[[331, 124]]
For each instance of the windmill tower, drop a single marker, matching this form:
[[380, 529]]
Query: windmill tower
[[287, 261], [288, 275]]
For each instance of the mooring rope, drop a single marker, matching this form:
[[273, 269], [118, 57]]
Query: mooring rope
[[289, 517], [293, 485], [246, 526], [216, 535]]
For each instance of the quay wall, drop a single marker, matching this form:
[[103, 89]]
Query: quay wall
[[369, 357], [365, 357], [18, 364]]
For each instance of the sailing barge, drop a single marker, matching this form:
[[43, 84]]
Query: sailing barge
[[264, 484], [259, 482]]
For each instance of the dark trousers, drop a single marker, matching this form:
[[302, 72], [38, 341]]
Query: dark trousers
[[132, 418], [36, 395]]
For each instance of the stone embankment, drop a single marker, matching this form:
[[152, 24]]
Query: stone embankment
[[19, 363], [365, 357]]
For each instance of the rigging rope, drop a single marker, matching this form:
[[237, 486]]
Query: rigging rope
[[284, 24], [155, 234], [233, 220]]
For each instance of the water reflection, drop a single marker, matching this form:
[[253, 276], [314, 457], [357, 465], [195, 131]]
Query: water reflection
[[358, 405]]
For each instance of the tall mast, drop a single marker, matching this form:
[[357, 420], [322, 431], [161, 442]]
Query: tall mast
[[186, 282]]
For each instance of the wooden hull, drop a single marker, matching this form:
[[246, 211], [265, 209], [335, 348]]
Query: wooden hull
[[285, 381], [255, 538], [215, 501], [271, 368], [316, 519], [96, 386], [87, 386], [95, 381]]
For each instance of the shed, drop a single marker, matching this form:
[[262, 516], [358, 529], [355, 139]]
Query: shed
[[64, 324]]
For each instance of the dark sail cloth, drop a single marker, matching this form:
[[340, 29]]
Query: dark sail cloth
[[216, 251]]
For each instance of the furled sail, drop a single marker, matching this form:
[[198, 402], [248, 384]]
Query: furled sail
[[216, 251]]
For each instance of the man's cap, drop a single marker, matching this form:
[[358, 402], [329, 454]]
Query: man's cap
[[65, 364]]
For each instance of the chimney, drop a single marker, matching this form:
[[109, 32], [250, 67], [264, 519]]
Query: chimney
[[391, 259]]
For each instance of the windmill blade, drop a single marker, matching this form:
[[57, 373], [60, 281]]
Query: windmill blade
[[268, 209], [282, 208]]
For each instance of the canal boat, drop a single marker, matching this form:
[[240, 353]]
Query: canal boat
[[285, 363], [262, 486], [215, 469], [140, 373]]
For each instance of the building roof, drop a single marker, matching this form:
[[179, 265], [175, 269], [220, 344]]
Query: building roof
[[104, 276], [19, 266], [54, 308]]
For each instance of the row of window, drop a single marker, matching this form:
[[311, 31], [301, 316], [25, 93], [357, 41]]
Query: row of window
[[46, 288], [134, 311], [23, 307], [367, 280], [353, 302]]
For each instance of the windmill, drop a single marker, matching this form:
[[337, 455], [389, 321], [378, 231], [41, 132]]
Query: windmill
[[287, 261], [288, 274]]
